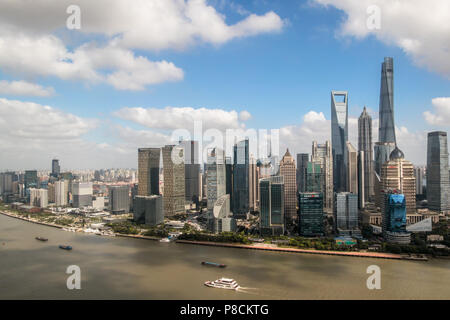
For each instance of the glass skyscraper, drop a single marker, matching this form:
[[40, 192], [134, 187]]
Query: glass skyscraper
[[240, 197], [148, 171], [310, 214], [339, 137], [272, 205], [438, 185], [302, 160], [365, 145], [192, 170]]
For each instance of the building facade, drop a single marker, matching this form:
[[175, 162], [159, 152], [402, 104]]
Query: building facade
[[288, 172], [272, 212], [174, 192], [339, 138], [302, 160], [311, 214], [346, 214], [322, 153], [394, 218], [81, 194], [240, 199], [148, 171], [365, 145], [148, 210], [119, 199], [352, 169], [192, 170]]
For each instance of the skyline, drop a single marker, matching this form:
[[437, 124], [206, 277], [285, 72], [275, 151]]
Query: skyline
[[260, 68]]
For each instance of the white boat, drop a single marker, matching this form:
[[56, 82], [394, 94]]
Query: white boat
[[164, 240], [223, 283]]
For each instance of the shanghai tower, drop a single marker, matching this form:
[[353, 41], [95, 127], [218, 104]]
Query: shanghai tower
[[386, 132], [387, 128]]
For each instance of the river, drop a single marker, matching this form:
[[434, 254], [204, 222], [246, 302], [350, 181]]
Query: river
[[122, 268]]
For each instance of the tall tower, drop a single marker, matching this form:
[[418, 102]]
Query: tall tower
[[287, 171], [241, 180], [192, 170], [322, 154], [438, 185], [272, 205], [148, 171], [387, 128], [339, 137], [352, 169], [55, 168], [174, 192], [302, 161], [398, 174], [215, 180], [365, 145]]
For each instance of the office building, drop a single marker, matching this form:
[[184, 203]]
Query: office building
[[56, 169], [339, 138], [314, 177], [365, 145], [60, 193], [438, 185], [419, 174], [148, 171], [311, 214], [240, 204], [119, 199], [174, 192], [31, 179], [148, 210], [229, 177], [81, 194], [6, 183], [288, 172], [272, 209], [352, 168], [361, 180], [223, 218], [252, 184], [191, 170], [215, 180], [302, 160], [39, 198], [394, 217], [322, 153], [398, 174], [346, 214]]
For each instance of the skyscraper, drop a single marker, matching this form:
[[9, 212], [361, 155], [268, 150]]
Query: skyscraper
[[398, 174], [252, 183], [322, 153], [240, 198], [192, 170], [314, 177], [386, 125], [31, 179], [394, 208], [60, 193], [174, 192], [365, 145], [302, 160], [82, 194], [148, 171], [310, 217], [346, 214], [287, 171], [215, 180], [339, 137], [438, 185], [361, 180], [39, 197], [55, 168], [352, 169], [119, 199], [419, 174], [272, 205]]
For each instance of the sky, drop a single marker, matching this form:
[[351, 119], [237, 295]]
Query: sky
[[136, 73]]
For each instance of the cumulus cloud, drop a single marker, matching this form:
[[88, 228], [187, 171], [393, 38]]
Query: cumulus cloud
[[244, 115], [420, 28], [441, 115], [173, 118], [24, 88]]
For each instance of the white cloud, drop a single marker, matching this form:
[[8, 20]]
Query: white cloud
[[420, 28], [173, 118], [441, 117], [24, 88], [244, 115]]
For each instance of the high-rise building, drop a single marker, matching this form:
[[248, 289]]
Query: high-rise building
[[60, 193], [272, 209], [393, 212], [252, 184], [386, 124], [174, 192], [438, 184], [148, 171], [398, 174], [192, 170], [240, 197], [339, 138], [310, 214], [223, 218], [51, 192], [322, 154], [6, 183], [419, 174], [148, 209], [352, 168], [31, 179], [229, 177], [365, 145], [346, 214], [302, 160], [314, 177], [81, 194], [361, 180], [119, 199], [215, 180], [39, 197], [55, 168], [287, 171]]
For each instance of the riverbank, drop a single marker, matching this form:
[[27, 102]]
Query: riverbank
[[378, 255]]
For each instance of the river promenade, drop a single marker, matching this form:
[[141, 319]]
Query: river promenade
[[379, 255]]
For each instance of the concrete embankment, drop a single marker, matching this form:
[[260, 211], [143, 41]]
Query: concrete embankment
[[33, 221]]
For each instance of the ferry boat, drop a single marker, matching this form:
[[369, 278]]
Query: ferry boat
[[41, 239], [223, 283], [65, 247], [213, 264], [164, 240]]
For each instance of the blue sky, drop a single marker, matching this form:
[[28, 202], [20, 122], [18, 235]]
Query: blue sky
[[277, 76]]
